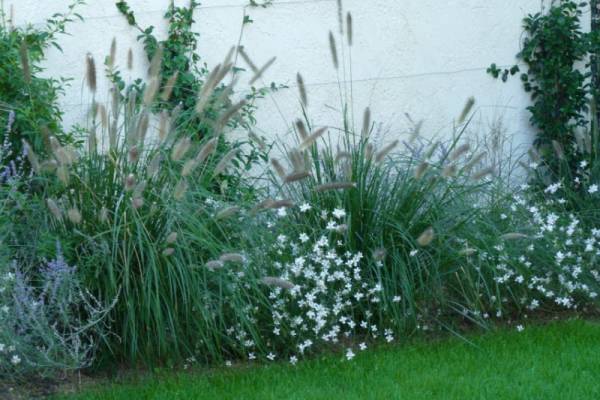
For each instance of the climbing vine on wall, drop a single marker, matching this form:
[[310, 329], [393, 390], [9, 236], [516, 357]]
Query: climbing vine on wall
[[184, 68], [556, 53]]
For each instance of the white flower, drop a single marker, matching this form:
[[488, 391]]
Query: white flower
[[281, 212], [553, 188], [397, 299], [271, 356], [293, 360], [349, 354], [305, 207], [362, 346], [339, 213], [593, 189], [413, 253], [520, 328], [251, 356], [228, 363], [304, 237], [15, 360], [332, 226]]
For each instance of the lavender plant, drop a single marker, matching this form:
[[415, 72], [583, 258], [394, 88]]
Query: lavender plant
[[49, 323]]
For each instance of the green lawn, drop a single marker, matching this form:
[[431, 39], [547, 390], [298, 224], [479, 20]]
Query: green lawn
[[558, 361]]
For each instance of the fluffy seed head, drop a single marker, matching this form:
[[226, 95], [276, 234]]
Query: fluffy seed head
[[432, 150], [342, 155], [296, 176], [513, 236], [180, 148], [137, 202], [151, 91], [333, 50], [467, 251], [180, 189], [154, 165], [278, 168], [421, 170], [310, 140], [169, 86], [366, 129], [483, 173], [139, 135], [23, 52], [156, 62], [340, 13], [449, 171], [558, 149], [130, 59], [379, 254], [233, 257], [255, 139], [31, 156], [208, 89], [168, 251], [207, 149], [475, 161], [297, 159], [113, 54], [247, 59], [172, 238], [54, 209], [426, 237], [189, 167], [349, 29], [225, 161], [229, 114], [133, 154], [277, 282], [302, 132], [91, 73], [215, 264], [74, 215], [261, 71], [335, 186], [227, 212], [459, 151], [302, 90], [275, 204], [466, 110], [379, 157], [103, 216]]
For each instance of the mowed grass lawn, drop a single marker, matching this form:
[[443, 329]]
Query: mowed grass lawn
[[556, 361]]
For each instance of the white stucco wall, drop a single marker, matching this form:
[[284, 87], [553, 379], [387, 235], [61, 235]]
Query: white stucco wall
[[422, 57]]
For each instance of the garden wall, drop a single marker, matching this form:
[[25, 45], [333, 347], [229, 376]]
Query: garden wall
[[421, 57]]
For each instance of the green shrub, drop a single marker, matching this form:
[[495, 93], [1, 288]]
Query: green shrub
[[30, 99], [557, 52]]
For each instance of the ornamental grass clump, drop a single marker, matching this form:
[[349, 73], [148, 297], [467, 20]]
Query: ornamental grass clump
[[128, 207], [405, 206]]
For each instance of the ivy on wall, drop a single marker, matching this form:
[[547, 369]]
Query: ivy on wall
[[559, 59]]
